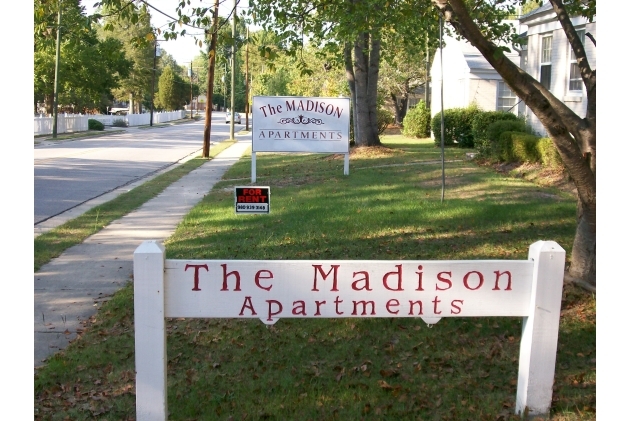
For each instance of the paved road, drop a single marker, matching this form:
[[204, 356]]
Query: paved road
[[70, 173]]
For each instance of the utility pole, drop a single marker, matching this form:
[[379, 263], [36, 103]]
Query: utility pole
[[190, 72], [56, 90], [153, 82], [209, 83], [233, 67], [427, 71]]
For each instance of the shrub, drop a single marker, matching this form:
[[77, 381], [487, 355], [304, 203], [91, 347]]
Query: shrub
[[95, 124], [489, 147], [548, 153], [518, 147], [119, 122], [483, 120], [458, 128], [417, 121], [384, 119], [495, 130]]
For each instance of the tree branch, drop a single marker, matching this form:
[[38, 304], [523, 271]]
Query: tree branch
[[575, 43]]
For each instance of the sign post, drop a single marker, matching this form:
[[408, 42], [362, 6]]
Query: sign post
[[274, 289]]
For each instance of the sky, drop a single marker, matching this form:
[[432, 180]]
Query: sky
[[183, 49]]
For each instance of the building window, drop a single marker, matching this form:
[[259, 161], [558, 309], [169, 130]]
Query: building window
[[576, 81], [506, 98], [546, 61]]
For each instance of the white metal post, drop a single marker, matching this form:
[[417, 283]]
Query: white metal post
[[346, 163], [254, 167], [151, 361], [540, 330]]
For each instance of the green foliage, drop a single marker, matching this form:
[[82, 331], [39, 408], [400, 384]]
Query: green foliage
[[173, 91], [417, 121], [518, 147], [95, 124], [384, 119], [89, 68], [488, 146], [482, 121], [137, 44], [495, 129], [119, 122], [548, 153], [458, 126]]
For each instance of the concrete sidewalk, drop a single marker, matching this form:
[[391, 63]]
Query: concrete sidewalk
[[69, 289]]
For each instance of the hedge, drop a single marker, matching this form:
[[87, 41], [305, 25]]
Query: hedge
[[548, 153], [95, 124], [458, 126], [416, 122], [518, 147], [483, 120]]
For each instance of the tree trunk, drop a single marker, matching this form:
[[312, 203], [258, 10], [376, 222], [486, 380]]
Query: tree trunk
[[48, 103], [573, 136], [399, 107], [350, 78], [366, 70]]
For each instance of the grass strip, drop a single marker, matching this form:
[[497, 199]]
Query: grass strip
[[347, 369], [78, 135], [51, 244]]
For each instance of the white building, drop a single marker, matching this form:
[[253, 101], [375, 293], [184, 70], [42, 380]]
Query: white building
[[469, 78], [549, 58]]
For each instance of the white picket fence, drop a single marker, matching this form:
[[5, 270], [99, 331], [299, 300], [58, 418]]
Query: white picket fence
[[78, 122]]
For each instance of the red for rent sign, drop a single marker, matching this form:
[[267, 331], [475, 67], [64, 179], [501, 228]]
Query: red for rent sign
[[251, 199]]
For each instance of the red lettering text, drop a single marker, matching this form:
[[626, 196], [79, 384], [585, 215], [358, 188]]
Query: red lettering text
[[225, 279], [196, 275], [318, 268], [392, 303], [259, 275], [497, 280], [480, 280], [399, 274], [445, 280]]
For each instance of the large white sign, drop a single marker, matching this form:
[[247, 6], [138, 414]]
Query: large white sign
[[300, 124], [275, 289]]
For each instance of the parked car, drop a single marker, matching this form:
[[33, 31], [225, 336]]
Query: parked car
[[237, 118]]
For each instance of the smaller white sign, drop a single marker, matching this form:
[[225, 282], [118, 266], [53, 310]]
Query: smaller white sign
[[300, 124]]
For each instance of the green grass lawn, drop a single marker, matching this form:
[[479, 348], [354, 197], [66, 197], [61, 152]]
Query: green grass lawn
[[389, 208]]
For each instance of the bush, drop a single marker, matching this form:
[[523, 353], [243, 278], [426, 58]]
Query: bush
[[384, 119], [95, 124], [495, 130], [548, 153], [417, 121], [119, 122], [518, 147], [489, 147], [458, 126], [483, 120]]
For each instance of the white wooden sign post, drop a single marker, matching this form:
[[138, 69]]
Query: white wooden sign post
[[273, 289], [300, 124]]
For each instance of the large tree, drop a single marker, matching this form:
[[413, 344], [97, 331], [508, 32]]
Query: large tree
[[138, 40], [399, 77], [89, 68], [361, 33], [574, 136]]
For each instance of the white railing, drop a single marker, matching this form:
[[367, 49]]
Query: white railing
[[78, 122]]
